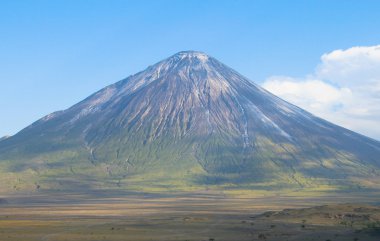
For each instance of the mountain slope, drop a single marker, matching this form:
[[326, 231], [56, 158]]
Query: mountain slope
[[188, 121]]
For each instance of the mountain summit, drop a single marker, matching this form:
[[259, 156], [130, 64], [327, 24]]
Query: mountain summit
[[187, 121]]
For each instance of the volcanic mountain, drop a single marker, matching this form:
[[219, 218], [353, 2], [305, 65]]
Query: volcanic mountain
[[186, 122]]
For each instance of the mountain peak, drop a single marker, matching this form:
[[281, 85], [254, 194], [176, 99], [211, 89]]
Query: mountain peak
[[191, 54]]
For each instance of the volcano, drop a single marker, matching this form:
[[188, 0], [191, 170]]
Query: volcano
[[186, 122]]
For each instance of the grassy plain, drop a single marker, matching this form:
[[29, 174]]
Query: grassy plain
[[193, 217]]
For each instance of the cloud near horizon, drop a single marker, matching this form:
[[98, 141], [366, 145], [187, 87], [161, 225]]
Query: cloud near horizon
[[344, 89]]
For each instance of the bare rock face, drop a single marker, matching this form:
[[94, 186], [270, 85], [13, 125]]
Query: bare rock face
[[192, 119]]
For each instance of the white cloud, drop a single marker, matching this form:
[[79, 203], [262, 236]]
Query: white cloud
[[352, 66], [344, 89]]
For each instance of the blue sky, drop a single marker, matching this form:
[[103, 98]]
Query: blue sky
[[55, 53]]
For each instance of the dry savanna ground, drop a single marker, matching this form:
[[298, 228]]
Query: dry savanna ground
[[192, 217]]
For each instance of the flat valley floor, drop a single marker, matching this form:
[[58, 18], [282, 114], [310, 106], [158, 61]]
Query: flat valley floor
[[192, 217]]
